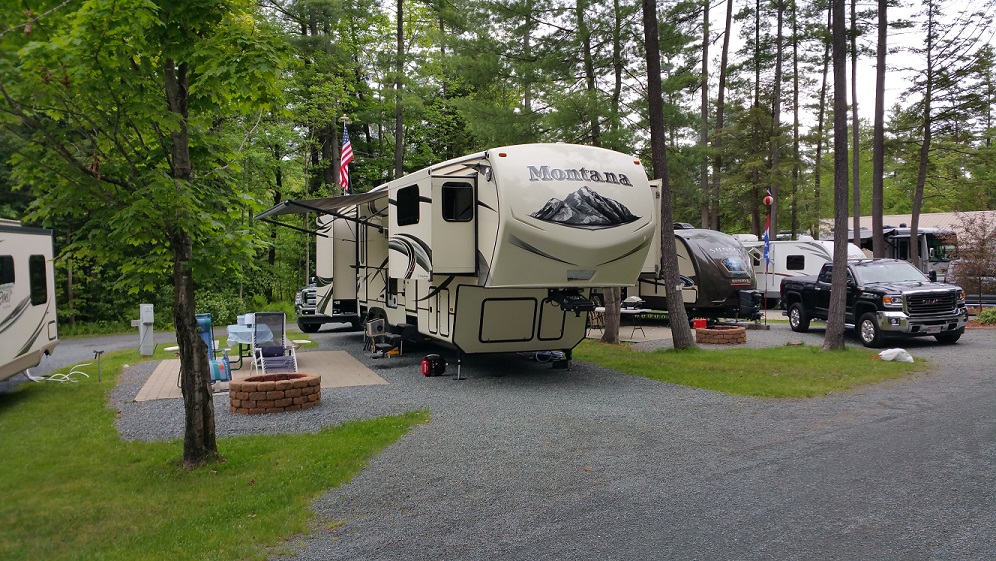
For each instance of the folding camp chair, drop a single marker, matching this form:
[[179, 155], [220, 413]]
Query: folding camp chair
[[271, 350], [221, 368], [384, 343]]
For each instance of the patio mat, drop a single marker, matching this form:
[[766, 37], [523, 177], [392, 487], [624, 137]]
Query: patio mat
[[337, 369]]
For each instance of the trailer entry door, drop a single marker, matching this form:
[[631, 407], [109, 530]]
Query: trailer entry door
[[454, 226]]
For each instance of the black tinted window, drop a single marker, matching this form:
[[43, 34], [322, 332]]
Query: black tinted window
[[795, 262], [408, 205], [39, 279], [458, 202], [6, 269]]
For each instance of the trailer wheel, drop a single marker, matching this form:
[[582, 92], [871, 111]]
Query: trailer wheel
[[869, 332], [798, 320], [949, 337], [309, 327]]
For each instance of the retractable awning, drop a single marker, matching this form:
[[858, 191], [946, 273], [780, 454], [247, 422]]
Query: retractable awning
[[327, 205]]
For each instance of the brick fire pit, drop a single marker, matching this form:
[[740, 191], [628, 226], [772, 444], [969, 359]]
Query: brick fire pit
[[274, 393], [721, 335]]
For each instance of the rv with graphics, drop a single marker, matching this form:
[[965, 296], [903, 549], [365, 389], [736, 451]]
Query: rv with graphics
[[787, 259], [492, 252], [28, 327], [934, 246], [717, 281]]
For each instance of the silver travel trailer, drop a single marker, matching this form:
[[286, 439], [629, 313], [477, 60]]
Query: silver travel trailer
[[492, 252], [788, 258], [717, 280], [28, 324]]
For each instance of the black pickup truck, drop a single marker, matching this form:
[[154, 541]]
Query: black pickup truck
[[885, 297]]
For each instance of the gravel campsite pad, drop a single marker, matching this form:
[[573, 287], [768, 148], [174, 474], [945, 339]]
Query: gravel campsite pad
[[524, 461]]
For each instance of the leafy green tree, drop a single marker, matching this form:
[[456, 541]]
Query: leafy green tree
[[133, 112]]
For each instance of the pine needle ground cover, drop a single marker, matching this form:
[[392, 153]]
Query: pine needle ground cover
[[72, 489], [790, 371]]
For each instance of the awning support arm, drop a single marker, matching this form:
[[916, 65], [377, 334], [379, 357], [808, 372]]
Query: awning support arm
[[335, 214]]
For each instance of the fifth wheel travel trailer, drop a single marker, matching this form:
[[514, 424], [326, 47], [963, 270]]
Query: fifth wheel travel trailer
[[492, 252], [788, 258], [28, 327]]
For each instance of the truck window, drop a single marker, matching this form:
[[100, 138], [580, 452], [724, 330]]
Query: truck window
[[826, 275], [6, 270], [38, 277], [458, 202], [408, 205], [795, 262]]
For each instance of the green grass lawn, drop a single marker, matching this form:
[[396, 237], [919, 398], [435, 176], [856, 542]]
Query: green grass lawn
[[72, 489], [790, 371]]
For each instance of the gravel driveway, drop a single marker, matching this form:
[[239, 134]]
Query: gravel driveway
[[521, 461]]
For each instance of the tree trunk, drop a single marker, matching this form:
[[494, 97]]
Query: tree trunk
[[855, 153], [921, 176], [612, 315], [820, 128], [834, 336], [399, 123], [705, 204], [617, 66], [717, 141], [199, 442], [589, 73], [776, 125], [681, 333], [878, 148], [796, 162]]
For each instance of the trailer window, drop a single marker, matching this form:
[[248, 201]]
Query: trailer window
[[458, 202], [408, 205], [6, 270], [795, 262], [39, 281], [37, 276]]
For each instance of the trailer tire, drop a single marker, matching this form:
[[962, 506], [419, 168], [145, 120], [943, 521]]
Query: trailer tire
[[869, 332], [798, 319], [309, 327]]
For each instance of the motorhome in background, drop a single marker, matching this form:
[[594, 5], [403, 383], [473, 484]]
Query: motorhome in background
[[788, 258], [935, 246], [28, 323], [492, 252], [717, 281]]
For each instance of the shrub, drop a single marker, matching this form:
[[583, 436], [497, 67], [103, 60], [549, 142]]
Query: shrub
[[987, 316]]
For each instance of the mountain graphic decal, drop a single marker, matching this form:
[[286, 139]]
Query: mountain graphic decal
[[585, 208]]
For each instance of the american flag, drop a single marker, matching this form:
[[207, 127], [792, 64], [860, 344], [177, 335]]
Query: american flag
[[347, 156]]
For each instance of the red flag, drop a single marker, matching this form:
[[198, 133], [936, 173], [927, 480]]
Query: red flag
[[347, 156]]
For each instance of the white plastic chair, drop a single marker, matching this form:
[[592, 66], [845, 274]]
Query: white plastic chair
[[271, 350]]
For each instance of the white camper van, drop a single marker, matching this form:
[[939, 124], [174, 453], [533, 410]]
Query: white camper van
[[28, 327], [789, 258], [493, 252]]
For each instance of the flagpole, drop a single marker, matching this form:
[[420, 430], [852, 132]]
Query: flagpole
[[768, 200]]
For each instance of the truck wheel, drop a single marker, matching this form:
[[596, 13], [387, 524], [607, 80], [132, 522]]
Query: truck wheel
[[869, 332], [309, 327], [798, 320], [950, 336]]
